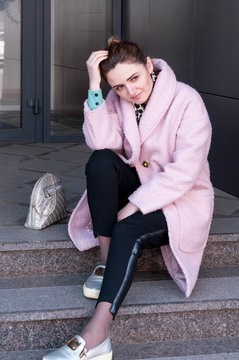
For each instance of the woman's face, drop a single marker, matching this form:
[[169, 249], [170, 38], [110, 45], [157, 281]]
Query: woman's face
[[132, 81]]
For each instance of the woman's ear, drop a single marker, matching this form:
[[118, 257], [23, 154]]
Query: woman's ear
[[149, 65]]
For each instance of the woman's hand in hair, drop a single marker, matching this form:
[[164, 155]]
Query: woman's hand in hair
[[127, 210], [94, 70]]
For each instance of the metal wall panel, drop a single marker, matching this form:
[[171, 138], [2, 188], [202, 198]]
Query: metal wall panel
[[164, 29], [171, 34], [216, 47], [199, 40], [224, 153], [136, 22]]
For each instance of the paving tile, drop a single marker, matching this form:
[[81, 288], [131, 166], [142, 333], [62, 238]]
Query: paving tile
[[225, 206], [80, 148], [78, 172], [71, 156], [225, 226], [12, 214], [48, 166], [71, 184], [235, 213], [221, 193], [23, 150], [20, 177], [51, 146], [72, 202], [10, 160], [20, 196], [4, 186]]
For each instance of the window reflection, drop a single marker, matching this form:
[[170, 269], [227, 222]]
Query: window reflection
[[10, 53], [77, 28]]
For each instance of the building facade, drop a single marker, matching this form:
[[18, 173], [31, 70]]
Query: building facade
[[44, 45]]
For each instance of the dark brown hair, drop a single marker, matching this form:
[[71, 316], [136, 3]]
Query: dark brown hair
[[121, 51]]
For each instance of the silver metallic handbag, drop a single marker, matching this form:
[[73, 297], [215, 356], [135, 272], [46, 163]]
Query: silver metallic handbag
[[47, 204]]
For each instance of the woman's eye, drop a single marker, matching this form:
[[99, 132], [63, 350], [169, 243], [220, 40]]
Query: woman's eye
[[119, 87], [135, 77]]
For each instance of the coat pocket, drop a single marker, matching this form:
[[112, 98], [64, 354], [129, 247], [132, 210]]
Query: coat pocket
[[195, 215]]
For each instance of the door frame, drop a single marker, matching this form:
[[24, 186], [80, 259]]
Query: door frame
[[28, 82], [36, 70]]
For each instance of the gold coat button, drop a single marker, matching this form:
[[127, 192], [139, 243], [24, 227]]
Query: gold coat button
[[145, 164]]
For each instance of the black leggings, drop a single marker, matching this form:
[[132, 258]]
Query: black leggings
[[109, 183]]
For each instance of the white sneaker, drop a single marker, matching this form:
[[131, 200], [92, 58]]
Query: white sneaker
[[75, 350], [92, 286]]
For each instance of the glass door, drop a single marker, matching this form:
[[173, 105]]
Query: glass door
[[17, 70], [77, 27]]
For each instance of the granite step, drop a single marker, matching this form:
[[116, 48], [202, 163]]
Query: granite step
[[79, 279], [153, 309], [27, 252], [196, 349]]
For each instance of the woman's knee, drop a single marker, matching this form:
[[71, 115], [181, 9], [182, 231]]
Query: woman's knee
[[99, 160]]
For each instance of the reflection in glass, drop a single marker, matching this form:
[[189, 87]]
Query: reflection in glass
[[77, 28], [10, 54]]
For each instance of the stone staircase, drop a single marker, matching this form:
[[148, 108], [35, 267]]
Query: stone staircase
[[42, 305]]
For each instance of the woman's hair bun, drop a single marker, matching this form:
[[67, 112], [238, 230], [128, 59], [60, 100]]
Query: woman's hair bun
[[121, 51], [113, 40]]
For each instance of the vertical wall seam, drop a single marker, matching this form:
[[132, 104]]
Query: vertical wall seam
[[192, 44]]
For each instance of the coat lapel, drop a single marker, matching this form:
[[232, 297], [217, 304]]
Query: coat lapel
[[131, 130], [160, 99]]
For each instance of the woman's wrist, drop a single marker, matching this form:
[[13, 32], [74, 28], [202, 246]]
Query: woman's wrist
[[94, 87]]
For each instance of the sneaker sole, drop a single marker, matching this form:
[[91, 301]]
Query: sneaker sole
[[103, 357], [91, 294]]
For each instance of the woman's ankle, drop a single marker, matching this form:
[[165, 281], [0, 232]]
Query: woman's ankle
[[93, 338], [97, 329]]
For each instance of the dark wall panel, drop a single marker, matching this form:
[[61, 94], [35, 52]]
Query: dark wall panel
[[225, 146], [164, 29], [200, 41], [216, 47], [136, 22], [171, 34]]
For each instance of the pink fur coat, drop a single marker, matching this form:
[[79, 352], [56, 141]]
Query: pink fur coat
[[174, 137]]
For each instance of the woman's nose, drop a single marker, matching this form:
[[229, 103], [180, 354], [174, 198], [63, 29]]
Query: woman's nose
[[131, 90]]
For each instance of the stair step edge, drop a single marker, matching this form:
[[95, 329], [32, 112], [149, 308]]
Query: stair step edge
[[16, 238], [144, 297], [38, 354], [194, 349], [38, 281], [229, 356]]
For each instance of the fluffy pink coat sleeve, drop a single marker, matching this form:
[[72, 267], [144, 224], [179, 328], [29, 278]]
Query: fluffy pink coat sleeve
[[101, 127]]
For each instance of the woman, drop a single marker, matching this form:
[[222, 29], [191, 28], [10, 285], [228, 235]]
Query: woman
[[148, 183]]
